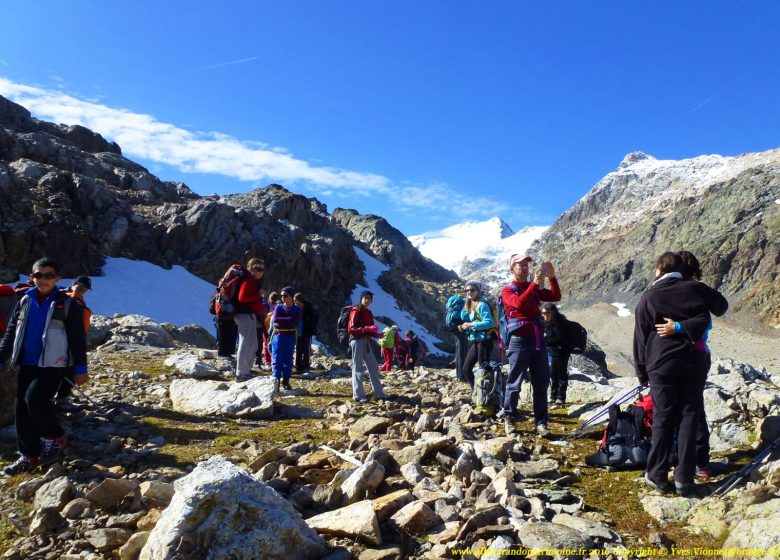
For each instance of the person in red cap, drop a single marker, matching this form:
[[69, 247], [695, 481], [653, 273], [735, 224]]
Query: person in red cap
[[526, 349]]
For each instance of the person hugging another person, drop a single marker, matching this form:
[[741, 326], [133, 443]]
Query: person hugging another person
[[285, 329], [478, 326], [361, 329], [44, 337], [557, 346]]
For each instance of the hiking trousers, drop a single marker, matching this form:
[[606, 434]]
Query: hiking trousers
[[478, 353], [387, 359], [559, 376], [677, 388], [283, 352], [247, 343], [362, 358], [461, 345], [227, 332], [35, 415], [303, 354], [523, 356]]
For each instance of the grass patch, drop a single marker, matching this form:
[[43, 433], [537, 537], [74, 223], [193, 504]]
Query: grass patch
[[151, 365]]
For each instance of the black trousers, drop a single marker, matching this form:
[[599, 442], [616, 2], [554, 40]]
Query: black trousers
[[302, 353], [66, 388], [227, 336], [461, 345], [35, 416], [559, 376], [478, 352], [677, 388]]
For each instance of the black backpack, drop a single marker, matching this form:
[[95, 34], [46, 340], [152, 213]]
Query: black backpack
[[341, 325], [576, 337], [487, 395], [626, 441]]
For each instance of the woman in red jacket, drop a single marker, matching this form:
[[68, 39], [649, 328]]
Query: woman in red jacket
[[248, 308], [361, 330]]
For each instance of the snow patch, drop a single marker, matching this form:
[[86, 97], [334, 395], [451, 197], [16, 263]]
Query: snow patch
[[386, 305], [622, 310]]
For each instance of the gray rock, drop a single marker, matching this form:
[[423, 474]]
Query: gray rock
[[667, 509], [192, 335], [414, 518], [132, 548], [428, 491], [110, 492], [189, 365], [369, 425], [76, 508], [357, 521], [413, 473], [363, 482], [587, 527], [45, 521], [553, 536], [501, 542], [221, 509], [251, 399], [106, 540], [156, 492], [544, 468]]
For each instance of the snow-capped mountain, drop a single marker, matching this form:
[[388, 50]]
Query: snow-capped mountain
[[477, 250], [722, 209]]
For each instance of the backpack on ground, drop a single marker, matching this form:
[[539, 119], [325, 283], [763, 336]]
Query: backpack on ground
[[453, 308], [626, 440], [576, 337], [342, 333], [487, 395], [223, 300]]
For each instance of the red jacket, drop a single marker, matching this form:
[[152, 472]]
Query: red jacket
[[249, 297], [361, 323], [523, 302]]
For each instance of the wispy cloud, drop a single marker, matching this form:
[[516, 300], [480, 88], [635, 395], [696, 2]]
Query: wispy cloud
[[710, 98], [141, 135], [223, 64]]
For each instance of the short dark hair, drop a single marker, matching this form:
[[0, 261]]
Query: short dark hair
[[669, 262], [46, 262], [690, 265]]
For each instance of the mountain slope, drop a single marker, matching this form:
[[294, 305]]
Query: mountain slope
[[726, 210]]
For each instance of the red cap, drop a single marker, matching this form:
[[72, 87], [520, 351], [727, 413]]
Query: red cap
[[518, 259]]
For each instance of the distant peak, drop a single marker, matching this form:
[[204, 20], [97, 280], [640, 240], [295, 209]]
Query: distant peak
[[503, 227], [632, 158]]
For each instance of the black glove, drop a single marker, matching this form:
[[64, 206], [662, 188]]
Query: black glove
[[644, 381]]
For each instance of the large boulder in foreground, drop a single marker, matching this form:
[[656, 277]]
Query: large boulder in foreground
[[251, 399], [220, 511]]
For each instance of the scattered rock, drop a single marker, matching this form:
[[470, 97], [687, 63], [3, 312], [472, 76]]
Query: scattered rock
[[357, 521]]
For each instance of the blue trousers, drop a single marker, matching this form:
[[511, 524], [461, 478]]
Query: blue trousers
[[524, 357], [283, 352]]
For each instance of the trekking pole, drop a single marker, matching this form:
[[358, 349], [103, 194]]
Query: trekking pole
[[604, 412], [81, 392], [746, 470]]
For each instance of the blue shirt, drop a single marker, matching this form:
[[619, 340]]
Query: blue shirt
[[32, 347]]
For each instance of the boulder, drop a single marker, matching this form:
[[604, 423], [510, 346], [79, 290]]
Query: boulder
[[110, 492], [192, 335], [586, 526], [413, 473], [45, 521], [363, 482], [190, 366], [414, 518], [220, 509], [356, 521], [666, 509], [497, 447], [106, 540], [251, 399], [54, 494], [76, 508], [543, 468]]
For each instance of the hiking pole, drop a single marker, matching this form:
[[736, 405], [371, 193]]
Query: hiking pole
[[80, 392], [746, 470], [604, 412]]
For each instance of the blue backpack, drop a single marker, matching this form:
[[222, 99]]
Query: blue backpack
[[452, 316]]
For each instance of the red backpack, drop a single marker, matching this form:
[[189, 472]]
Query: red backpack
[[223, 299]]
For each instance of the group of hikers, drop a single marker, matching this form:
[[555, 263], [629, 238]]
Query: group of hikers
[[46, 338]]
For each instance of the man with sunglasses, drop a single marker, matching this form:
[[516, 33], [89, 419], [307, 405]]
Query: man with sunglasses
[[45, 337]]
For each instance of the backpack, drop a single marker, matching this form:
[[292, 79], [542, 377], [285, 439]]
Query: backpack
[[222, 301], [452, 315], [8, 301], [388, 338], [494, 313], [487, 395], [576, 337], [342, 334], [505, 325], [626, 440]]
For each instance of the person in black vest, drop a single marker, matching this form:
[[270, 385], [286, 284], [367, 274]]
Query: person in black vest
[[557, 346], [675, 373]]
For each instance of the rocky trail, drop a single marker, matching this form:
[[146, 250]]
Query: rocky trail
[[171, 459]]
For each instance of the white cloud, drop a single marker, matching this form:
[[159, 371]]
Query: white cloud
[[144, 136]]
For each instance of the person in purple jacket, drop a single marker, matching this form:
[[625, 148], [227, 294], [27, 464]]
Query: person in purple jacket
[[285, 320]]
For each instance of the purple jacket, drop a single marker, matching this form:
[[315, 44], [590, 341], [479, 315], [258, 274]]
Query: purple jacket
[[285, 320]]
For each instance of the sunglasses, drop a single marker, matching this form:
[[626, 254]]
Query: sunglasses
[[47, 275]]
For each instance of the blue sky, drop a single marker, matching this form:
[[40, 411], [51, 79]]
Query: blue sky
[[428, 113]]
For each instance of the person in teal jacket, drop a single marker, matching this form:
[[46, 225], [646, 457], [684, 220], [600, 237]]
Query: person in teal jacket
[[479, 328]]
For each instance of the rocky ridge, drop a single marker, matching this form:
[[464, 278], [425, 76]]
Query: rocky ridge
[[726, 210], [65, 190], [421, 476]]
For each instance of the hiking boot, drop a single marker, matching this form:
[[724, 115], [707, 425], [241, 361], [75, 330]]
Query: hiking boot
[[241, 377], [21, 465], [509, 425], [362, 400], [542, 430], [559, 402], [683, 488], [52, 450], [286, 384], [662, 487], [704, 473], [66, 405]]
